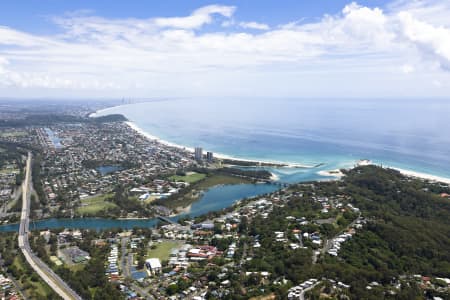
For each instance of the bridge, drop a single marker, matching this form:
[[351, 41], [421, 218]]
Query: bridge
[[167, 220]]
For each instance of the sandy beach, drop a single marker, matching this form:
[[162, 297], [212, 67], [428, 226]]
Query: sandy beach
[[132, 125], [338, 174], [331, 173], [218, 155], [325, 173], [422, 175]]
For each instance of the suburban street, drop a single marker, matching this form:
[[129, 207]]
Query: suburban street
[[47, 275], [125, 258], [302, 295]]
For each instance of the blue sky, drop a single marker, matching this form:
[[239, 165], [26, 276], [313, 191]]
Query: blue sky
[[31, 15], [321, 48]]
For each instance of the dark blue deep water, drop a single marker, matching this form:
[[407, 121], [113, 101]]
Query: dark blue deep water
[[405, 133]]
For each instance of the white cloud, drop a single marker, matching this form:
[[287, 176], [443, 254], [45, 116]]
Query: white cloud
[[254, 25], [198, 18], [407, 69], [433, 42], [437, 83], [166, 56]]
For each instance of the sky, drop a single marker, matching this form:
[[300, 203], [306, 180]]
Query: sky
[[177, 48]]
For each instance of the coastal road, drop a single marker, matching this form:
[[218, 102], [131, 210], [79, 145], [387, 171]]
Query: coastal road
[[47, 275]]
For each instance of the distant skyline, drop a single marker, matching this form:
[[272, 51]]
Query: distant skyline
[[144, 49]]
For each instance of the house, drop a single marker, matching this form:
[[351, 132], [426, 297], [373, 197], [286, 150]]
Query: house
[[153, 265]]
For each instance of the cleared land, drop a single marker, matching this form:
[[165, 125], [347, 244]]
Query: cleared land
[[8, 171], [193, 192], [93, 205], [189, 178], [162, 250], [217, 179], [13, 134]]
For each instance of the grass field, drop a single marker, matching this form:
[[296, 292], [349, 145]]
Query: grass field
[[17, 133], [193, 194], [95, 204], [189, 178], [33, 288], [162, 250], [18, 263], [7, 171], [220, 179]]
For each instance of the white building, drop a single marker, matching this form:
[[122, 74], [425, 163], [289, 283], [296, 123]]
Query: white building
[[153, 265]]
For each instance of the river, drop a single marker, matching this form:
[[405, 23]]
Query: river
[[214, 199]]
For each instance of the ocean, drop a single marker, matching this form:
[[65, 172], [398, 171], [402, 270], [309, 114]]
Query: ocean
[[410, 134]]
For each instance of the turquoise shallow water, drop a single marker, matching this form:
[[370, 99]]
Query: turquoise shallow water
[[408, 134]]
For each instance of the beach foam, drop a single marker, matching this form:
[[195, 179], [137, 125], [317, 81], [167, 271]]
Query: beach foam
[[331, 173], [218, 155], [422, 175]]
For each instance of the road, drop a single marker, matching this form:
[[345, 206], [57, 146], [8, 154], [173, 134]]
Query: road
[[125, 258], [302, 294], [46, 274], [142, 292], [328, 242]]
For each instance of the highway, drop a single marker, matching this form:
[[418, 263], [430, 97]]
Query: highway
[[47, 275]]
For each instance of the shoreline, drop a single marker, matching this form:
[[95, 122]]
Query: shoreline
[[408, 173], [139, 130], [222, 156], [332, 173], [421, 175], [324, 173]]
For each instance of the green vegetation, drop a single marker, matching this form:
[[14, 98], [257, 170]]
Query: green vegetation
[[247, 163], [17, 133], [219, 180], [93, 205], [191, 177], [193, 192], [14, 262], [11, 160], [7, 171], [253, 173], [108, 118], [408, 232], [162, 250], [49, 119], [88, 281]]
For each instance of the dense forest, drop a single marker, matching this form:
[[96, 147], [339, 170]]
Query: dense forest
[[407, 233]]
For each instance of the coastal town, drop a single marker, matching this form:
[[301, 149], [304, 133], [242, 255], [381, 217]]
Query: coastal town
[[289, 242], [210, 257]]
